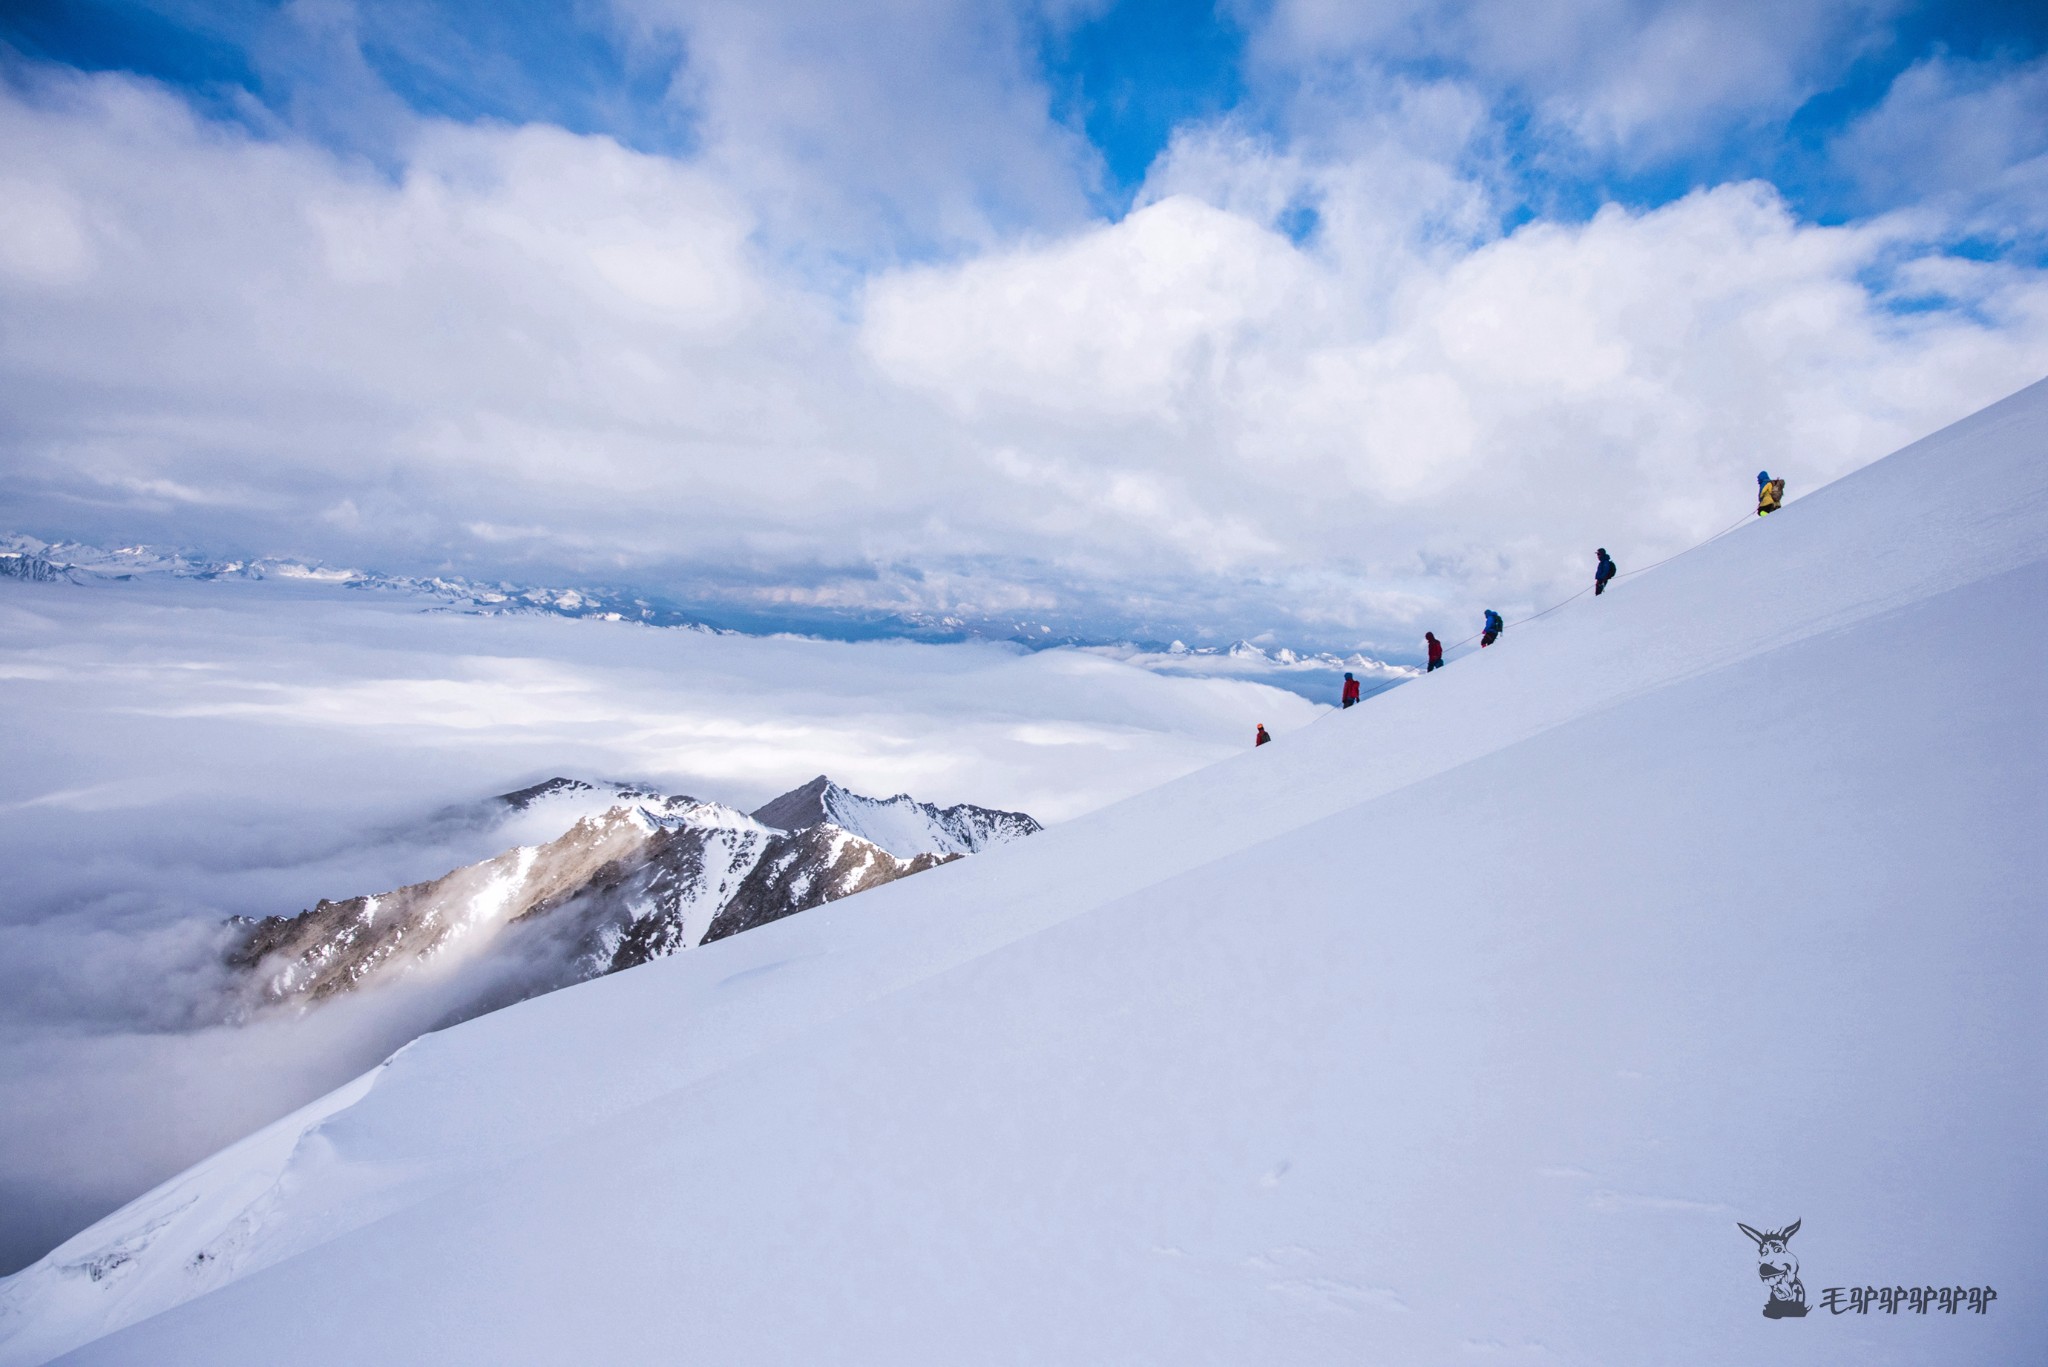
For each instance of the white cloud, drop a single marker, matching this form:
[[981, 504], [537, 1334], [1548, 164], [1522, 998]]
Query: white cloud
[[527, 353], [1534, 394], [863, 126], [1638, 78], [520, 304], [1973, 135], [42, 234], [1125, 322]]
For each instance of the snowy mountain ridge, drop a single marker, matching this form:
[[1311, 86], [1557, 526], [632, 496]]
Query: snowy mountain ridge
[[26, 557], [901, 824], [1467, 1023], [1311, 673], [637, 875]]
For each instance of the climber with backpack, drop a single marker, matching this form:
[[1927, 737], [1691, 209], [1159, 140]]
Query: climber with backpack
[[1350, 690], [1494, 627], [1770, 493], [1602, 572], [1261, 738], [1436, 651]]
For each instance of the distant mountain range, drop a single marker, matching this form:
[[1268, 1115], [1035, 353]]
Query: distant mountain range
[[25, 557], [636, 875], [1313, 674]]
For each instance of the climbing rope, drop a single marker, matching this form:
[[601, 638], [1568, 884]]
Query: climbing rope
[[1745, 518]]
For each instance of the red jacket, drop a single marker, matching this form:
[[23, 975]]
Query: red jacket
[[1351, 690], [1436, 651]]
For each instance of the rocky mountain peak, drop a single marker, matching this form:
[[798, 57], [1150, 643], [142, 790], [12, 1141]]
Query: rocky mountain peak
[[901, 824], [526, 797], [635, 875], [797, 808]]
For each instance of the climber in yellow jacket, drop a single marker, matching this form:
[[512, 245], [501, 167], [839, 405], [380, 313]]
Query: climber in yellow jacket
[[1770, 493]]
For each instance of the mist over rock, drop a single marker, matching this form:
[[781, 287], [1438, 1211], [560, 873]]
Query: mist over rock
[[637, 875]]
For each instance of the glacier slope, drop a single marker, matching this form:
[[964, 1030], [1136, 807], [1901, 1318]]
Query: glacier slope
[[1471, 1019]]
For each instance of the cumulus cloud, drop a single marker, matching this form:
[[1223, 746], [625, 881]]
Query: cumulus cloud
[[1638, 78], [1120, 323], [253, 324], [875, 126], [1630, 371], [1969, 136]]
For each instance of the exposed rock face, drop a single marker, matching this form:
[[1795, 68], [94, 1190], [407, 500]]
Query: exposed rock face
[[654, 900], [806, 868], [338, 945], [647, 876], [28, 565]]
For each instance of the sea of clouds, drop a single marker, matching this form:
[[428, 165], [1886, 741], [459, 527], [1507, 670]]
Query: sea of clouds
[[180, 752]]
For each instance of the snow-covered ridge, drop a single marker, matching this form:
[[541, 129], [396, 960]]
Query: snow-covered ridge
[[26, 557], [31, 566], [636, 875], [901, 824]]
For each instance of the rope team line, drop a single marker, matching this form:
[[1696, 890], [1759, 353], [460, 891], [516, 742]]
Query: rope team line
[[1644, 569]]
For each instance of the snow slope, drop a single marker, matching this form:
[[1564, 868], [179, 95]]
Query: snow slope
[[1463, 1026]]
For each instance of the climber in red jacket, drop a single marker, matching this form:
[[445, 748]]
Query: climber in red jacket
[[1436, 651], [1350, 690], [1261, 738]]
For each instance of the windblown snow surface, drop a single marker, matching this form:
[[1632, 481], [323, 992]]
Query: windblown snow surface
[[1463, 1026]]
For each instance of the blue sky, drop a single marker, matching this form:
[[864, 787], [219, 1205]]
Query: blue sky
[[1126, 74], [1139, 317]]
